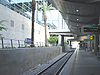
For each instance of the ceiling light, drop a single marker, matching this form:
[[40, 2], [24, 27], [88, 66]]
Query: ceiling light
[[77, 19], [77, 10], [77, 25]]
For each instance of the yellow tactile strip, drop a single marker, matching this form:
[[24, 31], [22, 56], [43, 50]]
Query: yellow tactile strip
[[73, 65]]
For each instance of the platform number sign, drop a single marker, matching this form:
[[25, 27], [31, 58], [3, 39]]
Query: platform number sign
[[91, 37]]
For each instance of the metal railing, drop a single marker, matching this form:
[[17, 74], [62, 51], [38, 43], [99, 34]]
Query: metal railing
[[12, 43]]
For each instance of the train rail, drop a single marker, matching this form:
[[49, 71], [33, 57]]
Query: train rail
[[57, 66]]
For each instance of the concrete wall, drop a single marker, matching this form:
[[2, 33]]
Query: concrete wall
[[17, 61]]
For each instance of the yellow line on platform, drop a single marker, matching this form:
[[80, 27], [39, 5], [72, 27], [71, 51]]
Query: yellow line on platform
[[73, 65]]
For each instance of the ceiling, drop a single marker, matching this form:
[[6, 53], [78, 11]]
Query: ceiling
[[79, 13]]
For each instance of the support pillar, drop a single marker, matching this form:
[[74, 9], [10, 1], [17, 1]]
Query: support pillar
[[90, 45], [62, 43], [70, 44], [96, 43], [93, 46], [59, 40]]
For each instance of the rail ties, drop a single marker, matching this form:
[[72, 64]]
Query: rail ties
[[57, 66]]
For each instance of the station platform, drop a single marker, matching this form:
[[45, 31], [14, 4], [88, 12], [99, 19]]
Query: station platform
[[82, 63]]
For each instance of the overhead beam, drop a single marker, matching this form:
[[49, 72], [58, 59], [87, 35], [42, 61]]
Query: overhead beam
[[86, 23], [95, 15]]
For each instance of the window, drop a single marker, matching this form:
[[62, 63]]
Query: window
[[22, 26], [12, 23]]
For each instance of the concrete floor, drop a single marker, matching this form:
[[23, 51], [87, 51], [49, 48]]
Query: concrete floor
[[82, 63]]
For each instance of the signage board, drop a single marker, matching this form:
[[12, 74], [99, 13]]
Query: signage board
[[91, 37], [28, 40], [92, 29]]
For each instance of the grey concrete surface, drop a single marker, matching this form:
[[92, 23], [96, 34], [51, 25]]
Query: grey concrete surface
[[43, 66], [68, 67], [85, 63], [17, 61]]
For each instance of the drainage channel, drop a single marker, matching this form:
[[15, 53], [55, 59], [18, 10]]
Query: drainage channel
[[56, 67]]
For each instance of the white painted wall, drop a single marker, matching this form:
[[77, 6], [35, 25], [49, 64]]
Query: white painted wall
[[17, 32]]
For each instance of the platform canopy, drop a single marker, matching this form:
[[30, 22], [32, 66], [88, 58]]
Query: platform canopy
[[79, 13]]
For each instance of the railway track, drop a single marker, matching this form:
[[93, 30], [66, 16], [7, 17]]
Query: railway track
[[57, 66]]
